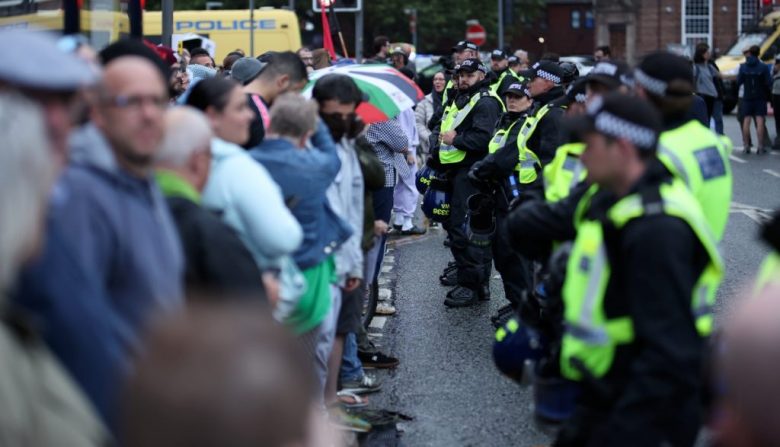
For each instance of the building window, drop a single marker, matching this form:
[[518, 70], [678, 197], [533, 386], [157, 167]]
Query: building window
[[575, 19], [748, 15], [589, 20], [697, 22]]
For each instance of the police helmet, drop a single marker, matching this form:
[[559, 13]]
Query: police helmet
[[436, 205], [422, 180], [570, 72], [516, 345]]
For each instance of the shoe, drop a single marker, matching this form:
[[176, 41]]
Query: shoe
[[447, 243], [462, 297], [502, 312], [366, 385], [747, 150], [397, 227], [377, 360], [414, 231], [384, 309], [449, 278], [344, 421], [484, 292]]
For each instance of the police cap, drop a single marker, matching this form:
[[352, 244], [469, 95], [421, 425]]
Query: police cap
[[608, 73], [576, 91], [465, 45], [548, 70], [513, 60], [471, 65], [517, 88], [498, 55], [665, 74], [620, 116]]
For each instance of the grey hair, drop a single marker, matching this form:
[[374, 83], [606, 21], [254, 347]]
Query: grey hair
[[27, 172], [292, 115], [187, 131]]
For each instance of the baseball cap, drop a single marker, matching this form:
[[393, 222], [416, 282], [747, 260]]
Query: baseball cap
[[397, 50], [513, 60], [517, 88], [24, 51], [658, 70], [246, 69], [471, 65], [608, 73], [576, 91], [620, 116], [498, 55], [465, 45], [548, 70]]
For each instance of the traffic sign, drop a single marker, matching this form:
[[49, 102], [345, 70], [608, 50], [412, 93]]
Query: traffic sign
[[476, 33]]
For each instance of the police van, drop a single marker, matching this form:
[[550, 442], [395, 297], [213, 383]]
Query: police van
[[274, 29]]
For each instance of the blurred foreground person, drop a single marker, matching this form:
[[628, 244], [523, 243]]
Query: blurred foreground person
[[41, 405], [217, 262], [221, 376], [749, 363]]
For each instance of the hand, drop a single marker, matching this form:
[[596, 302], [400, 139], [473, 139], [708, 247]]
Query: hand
[[380, 227], [448, 137], [411, 160], [271, 288], [351, 284]]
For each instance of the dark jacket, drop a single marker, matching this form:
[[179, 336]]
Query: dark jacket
[[304, 175], [257, 126], [756, 78], [653, 386], [475, 132], [549, 134], [373, 180], [218, 265]]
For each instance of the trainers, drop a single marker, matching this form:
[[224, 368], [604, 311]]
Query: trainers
[[384, 309], [461, 297], [366, 385], [377, 360]]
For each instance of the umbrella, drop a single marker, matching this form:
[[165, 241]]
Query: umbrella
[[389, 91]]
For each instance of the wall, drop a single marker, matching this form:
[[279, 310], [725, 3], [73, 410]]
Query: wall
[[556, 27]]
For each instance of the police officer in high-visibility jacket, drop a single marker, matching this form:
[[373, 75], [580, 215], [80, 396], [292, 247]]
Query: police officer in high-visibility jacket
[[464, 136], [499, 70], [510, 171], [515, 74], [769, 272], [544, 134], [688, 149], [640, 284]]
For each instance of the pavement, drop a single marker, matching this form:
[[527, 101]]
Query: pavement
[[446, 380]]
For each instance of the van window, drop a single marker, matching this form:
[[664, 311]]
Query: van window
[[746, 40]]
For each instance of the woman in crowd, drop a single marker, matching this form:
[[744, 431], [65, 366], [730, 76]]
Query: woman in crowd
[[424, 112]]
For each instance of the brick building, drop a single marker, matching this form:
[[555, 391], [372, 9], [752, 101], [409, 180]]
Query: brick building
[[566, 27], [636, 27]]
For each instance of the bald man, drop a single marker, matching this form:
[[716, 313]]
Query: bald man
[[750, 364]]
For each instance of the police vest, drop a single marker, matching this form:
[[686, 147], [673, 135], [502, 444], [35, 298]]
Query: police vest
[[508, 72], [447, 88], [528, 162], [454, 117], [769, 271], [591, 338], [529, 126], [564, 172], [700, 158]]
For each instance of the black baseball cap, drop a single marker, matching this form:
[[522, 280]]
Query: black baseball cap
[[608, 73], [658, 70], [620, 116], [513, 60], [465, 45], [518, 89], [471, 65], [548, 70], [498, 55]]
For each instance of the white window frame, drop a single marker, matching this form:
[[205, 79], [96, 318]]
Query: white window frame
[[684, 35], [740, 17]]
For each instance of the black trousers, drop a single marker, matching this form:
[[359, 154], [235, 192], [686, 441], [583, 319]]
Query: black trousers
[[473, 262], [516, 271], [776, 106]]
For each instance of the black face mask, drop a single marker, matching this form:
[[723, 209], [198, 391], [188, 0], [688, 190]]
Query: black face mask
[[340, 127]]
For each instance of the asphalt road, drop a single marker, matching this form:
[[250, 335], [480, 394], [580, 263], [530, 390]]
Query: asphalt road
[[446, 379]]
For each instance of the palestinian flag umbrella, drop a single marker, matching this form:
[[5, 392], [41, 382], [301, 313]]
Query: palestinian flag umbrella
[[389, 92]]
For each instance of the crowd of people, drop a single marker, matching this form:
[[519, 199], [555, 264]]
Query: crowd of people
[[186, 247]]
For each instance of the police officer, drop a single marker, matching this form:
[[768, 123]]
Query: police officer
[[543, 134], [639, 288], [499, 70], [464, 135], [511, 171], [690, 150], [461, 51], [770, 268]]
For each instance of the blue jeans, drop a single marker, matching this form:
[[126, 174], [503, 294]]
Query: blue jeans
[[717, 116], [351, 367]]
